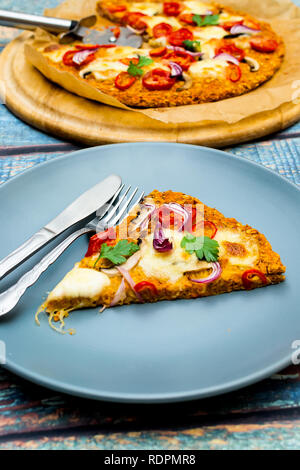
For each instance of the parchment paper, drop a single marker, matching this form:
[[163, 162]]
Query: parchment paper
[[284, 18]]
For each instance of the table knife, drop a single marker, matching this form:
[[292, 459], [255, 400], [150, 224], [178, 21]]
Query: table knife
[[87, 204]]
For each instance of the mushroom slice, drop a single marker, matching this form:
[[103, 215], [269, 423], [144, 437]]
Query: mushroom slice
[[253, 64]]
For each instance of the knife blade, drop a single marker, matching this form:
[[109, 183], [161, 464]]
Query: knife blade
[[84, 206], [71, 30]]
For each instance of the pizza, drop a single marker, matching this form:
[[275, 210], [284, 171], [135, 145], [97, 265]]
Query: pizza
[[192, 52], [170, 247]]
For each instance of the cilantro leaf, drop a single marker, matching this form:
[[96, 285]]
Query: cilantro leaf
[[117, 254], [193, 46], [135, 69], [203, 247], [207, 20], [144, 60]]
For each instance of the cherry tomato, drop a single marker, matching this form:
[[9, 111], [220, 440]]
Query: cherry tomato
[[233, 73], [172, 8], [263, 44], [232, 50], [248, 275], [177, 37], [124, 81], [187, 18], [116, 8], [162, 29], [134, 20], [181, 58], [158, 79], [127, 61], [158, 52], [97, 240], [229, 24], [146, 285]]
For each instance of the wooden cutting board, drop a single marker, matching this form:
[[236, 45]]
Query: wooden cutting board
[[33, 98]]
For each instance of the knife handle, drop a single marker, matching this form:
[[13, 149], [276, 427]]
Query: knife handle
[[31, 246], [10, 297], [30, 22]]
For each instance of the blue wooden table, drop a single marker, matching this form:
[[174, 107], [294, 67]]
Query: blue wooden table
[[263, 416]]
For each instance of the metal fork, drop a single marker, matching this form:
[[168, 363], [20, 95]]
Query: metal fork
[[116, 212]]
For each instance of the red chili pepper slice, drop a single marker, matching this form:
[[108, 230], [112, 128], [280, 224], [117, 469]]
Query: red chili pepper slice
[[233, 73], [262, 44], [82, 47], [162, 29], [134, 20], [249, 274], [172, 8], [158, 52], [117, 32], [168, 218], [158, 79], [232, 50], [177, 37], [181, 58], [146, 285], [187, 18], [124, 81], [97, 240], [68, 57]]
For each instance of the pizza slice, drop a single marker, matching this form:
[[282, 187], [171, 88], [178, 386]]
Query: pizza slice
[[192, 52], [170, 247]]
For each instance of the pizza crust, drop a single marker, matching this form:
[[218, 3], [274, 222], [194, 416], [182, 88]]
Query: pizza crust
[[204, 89]]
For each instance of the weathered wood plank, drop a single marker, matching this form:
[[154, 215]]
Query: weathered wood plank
[[282, 434], [26, 408]]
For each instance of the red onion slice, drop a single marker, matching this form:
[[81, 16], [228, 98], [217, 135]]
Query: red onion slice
[[228, 58], [178, 209], [80, 56], [181, 49], [242, 29], [130, 281], [120, 294], [176, 70], [160, 242], [213, 276]]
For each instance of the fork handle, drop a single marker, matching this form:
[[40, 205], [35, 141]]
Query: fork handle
[[10, 297]]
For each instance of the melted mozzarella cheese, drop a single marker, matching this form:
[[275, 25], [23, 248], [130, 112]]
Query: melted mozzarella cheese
[[171, 265], [151, 22], [212, 67], [103, 69], [209, 32], [235, 237], [198, 8], [80, 282], [148, 8], [224, 17], [208, 50]]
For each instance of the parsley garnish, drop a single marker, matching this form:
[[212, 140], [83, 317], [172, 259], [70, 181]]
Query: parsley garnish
[[207, 20], [136, 69], [116, 254], [204, 247], [193, 46]]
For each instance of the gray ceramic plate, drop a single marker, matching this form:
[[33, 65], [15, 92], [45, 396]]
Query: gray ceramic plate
[[169, 351]]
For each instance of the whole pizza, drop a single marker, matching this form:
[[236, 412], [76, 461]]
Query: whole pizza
[[192, 52]]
